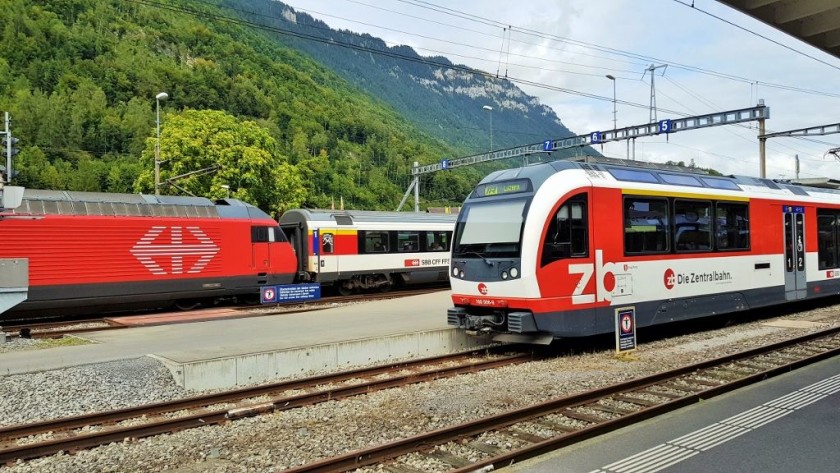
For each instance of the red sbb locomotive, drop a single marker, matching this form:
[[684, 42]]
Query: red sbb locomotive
[[104, 252], [555, 250]]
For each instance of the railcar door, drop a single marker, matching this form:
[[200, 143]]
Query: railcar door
[[261, 238], [794, 228], [324, 245]]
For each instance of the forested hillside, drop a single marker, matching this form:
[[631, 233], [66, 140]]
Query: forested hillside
[[442, 98], [80, 77]]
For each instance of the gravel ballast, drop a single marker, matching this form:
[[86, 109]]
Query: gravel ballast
[[281, 440]]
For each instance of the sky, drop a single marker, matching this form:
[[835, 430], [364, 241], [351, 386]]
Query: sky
[[717, 60]]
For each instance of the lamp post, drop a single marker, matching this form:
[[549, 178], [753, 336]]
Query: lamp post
[[227, 189], [490, 109], [158, 98], [610, 77]]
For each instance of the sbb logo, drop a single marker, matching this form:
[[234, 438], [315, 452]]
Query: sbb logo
[[482, 288], [670, 278]]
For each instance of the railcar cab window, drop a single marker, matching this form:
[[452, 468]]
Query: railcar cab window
[[646, 226], [567, 235], [692, 225], [490, 229]]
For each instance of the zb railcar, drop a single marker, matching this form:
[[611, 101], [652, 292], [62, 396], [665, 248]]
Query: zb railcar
[[555, 250], [354, 251], [99, 252]]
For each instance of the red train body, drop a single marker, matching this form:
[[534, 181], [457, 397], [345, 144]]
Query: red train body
[[97, 252]]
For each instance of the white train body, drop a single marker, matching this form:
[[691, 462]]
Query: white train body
[[558, 249], [364, 250]]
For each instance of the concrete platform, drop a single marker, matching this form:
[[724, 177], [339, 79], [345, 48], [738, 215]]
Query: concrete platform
[[226, 353]]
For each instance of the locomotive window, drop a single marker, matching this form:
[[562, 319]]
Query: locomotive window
[[567, 235], [732, 226], [408, 242], [437, 241], [645, 225], [259, 234], [692, 225], [826, 239]]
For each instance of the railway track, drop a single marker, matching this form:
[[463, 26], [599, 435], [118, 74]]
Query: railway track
[[501, 440], [71, 434]]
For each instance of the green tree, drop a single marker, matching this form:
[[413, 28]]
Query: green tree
[[210, 149]]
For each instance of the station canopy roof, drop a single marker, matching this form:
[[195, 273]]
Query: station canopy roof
[[815, 22]]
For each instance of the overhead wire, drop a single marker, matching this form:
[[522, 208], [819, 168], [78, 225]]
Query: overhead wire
[[426, 61]]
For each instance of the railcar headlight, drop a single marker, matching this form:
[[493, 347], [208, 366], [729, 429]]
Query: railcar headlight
[[504, 275], [514, 272], [461, 274], [455, 271]]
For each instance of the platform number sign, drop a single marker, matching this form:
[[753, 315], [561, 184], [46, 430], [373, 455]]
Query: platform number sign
[[625, 329], [547, 146], [595, 137], [665, 126], [444, 164]]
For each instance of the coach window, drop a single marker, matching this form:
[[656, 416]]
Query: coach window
[[645, 225], [732, 226], [376, 242], [826, 239], [408, 241], [327, 242], [567, 235], [437, 241], [692, 225]]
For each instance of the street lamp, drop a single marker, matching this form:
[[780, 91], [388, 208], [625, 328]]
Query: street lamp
[[610, 77], [490, 109], [227, 189], [158, 98]]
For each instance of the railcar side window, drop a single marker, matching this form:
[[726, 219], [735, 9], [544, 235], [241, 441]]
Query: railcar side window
[[826, 239], [646, 226], [438, 241], [408, 241], [376, 242], [567, 235], [732, 226], [692, 225]]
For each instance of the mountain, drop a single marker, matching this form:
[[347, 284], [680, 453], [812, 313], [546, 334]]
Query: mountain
[[444, 99]]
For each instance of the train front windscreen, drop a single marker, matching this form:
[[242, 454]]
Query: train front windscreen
[[490, 229]]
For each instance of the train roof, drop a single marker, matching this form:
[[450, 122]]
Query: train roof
[[349, 217], [665, 174], [53, 202]]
